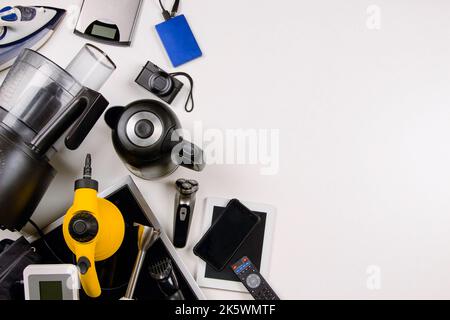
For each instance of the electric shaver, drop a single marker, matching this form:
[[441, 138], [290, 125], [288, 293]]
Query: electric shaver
[[184, 209]]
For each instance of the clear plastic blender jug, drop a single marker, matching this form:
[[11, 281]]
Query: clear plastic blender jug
[[37, 92], [39, 103]]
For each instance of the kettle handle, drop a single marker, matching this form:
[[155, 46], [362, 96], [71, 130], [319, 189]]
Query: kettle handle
[[112, 116], [188, 155], [85, 255]]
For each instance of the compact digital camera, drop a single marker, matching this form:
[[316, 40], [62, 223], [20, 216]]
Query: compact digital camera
[[159, 82]]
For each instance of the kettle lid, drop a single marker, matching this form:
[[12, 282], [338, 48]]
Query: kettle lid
[[141, 129], [144, 129]]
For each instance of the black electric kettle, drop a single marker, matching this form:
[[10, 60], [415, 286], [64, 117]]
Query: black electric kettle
[[146, 136]]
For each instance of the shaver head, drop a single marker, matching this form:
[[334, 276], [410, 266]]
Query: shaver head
[[187, 187]]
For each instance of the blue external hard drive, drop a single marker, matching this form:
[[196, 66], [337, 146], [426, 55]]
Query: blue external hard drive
[[178, 40]]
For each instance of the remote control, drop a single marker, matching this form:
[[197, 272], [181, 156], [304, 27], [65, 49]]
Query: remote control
[[253, 280]]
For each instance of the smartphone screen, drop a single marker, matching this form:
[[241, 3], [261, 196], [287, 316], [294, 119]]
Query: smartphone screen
[[226, 235]]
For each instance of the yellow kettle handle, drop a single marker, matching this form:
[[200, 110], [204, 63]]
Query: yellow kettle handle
[[85, 255]]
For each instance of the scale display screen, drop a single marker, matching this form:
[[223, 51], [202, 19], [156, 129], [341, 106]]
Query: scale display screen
[[104, 32], [51, 290]]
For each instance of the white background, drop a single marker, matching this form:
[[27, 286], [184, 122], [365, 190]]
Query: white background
[[363, 115]]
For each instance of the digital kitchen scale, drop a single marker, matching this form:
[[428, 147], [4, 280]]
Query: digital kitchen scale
[[109, 21]]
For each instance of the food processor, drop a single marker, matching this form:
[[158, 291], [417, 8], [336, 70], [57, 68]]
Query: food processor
[[39, 103]]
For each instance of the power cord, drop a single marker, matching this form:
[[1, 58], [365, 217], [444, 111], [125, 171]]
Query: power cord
[[42, 235], [168, 15]]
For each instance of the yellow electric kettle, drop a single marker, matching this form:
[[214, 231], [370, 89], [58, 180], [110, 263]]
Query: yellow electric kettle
[[93, 229]]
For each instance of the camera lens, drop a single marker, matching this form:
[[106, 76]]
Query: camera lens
[[160, 83]]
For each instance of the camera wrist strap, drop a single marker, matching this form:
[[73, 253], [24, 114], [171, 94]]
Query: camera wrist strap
[[191, 94]]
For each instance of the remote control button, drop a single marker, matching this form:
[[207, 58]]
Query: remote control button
[[253, 281]]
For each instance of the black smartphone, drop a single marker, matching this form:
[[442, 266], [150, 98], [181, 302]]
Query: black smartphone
[[226, 235]]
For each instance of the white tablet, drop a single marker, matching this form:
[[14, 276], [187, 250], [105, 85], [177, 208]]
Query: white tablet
[[257, 246]]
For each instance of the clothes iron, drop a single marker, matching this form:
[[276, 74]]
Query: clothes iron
[[25, 27]]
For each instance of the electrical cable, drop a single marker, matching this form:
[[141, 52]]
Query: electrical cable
[[42, 235], [168, 15]]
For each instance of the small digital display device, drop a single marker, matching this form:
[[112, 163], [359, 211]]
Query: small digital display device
[[108, 21], [51, 282], [104, 32], [50, 290]]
